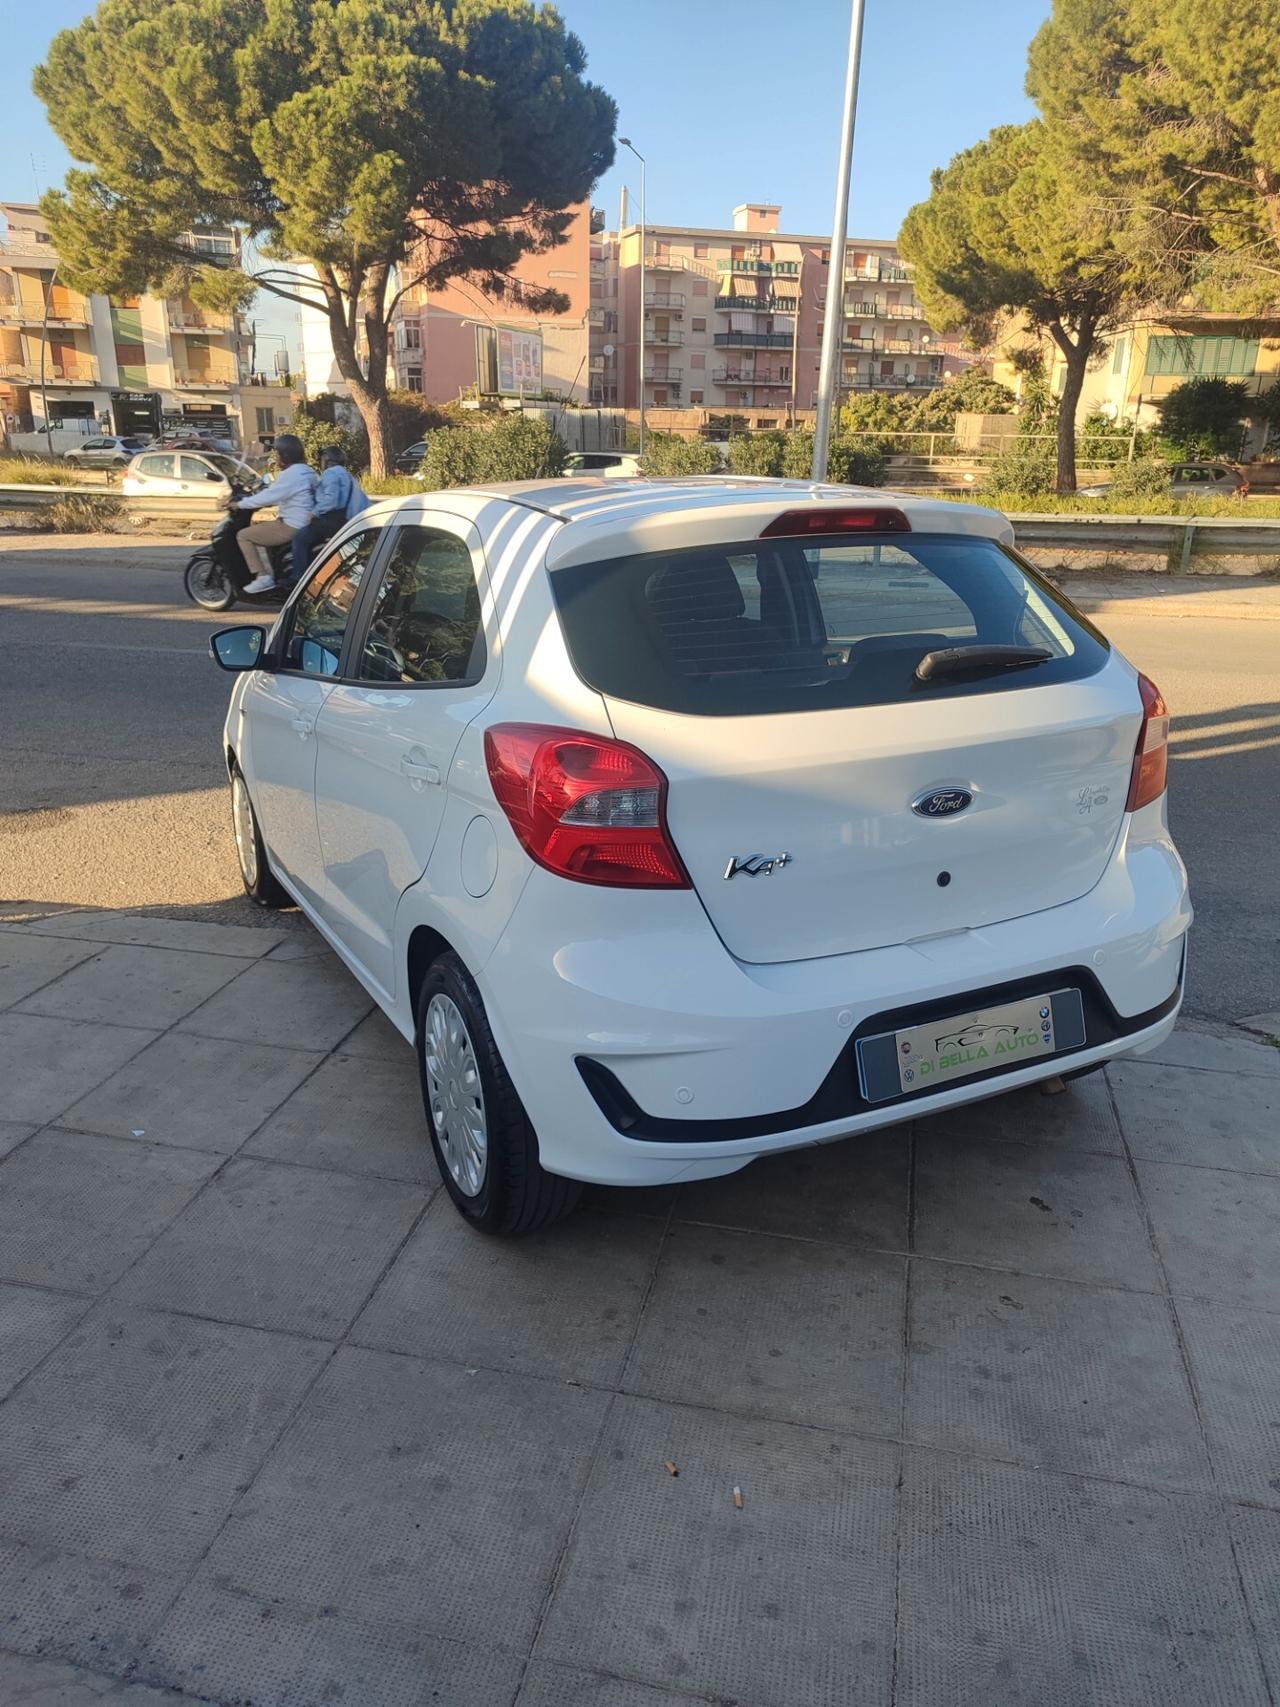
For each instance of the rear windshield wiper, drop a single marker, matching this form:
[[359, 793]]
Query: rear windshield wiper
[[972, 660]]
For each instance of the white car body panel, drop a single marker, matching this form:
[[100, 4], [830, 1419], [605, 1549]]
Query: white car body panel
[[728, 1001]]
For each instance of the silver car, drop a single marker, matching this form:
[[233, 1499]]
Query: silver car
[[107, 451], [1190, 480], [187, 474]]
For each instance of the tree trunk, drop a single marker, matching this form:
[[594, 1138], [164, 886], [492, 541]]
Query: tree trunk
[[375, 412], [368, 389], [1073, 383]]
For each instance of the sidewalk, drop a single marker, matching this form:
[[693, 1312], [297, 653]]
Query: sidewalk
[[999, 1389], [1234, 597]]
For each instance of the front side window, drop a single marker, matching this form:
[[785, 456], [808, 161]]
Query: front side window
[[194, 468], [426, 626], [157, 467], [317, 622], [784, 625]]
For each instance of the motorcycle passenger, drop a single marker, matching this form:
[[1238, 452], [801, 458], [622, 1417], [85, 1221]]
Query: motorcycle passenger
[[339, 497], [292, 495]]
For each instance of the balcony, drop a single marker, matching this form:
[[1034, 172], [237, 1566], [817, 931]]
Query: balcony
[[760, 304], [895, 275], [904, 311], [902, 347], [81, 372], [32, 314], [871, 270], [672, 377], [862, 310], [23, 250], [753, 340], [195, 320], [663, 261], [860, 344], [732, 376], [664, 299], [216, 380], [891, 382], [671, 336], [752, 264]]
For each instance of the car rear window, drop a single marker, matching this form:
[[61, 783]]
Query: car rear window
[[811, 624]]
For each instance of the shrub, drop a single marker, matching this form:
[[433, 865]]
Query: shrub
[[1205, 417], [1027, 469], [1144, 477], [497, 447], [758, 453], [974, 392], [875, 412], [314, 424], [669, 454], [852, 462]]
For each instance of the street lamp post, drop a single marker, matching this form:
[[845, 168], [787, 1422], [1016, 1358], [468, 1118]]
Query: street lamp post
[[644, 209], [833, 329], [44, 351]]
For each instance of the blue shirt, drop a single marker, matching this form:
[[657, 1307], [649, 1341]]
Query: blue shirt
[[338, 490]]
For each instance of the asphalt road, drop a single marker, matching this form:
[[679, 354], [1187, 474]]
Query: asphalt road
[[112, 792]]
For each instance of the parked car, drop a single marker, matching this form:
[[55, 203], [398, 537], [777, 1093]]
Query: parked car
[[108, 451], [186, 474], [1191, 480], [197, 441], [410, 458], [698, 822], [608, 464]]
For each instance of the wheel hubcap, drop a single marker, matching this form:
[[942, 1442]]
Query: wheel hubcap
[[457, 1100], [246, 841]]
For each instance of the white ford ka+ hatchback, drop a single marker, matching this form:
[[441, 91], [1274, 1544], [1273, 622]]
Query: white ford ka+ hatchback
[[678, 822]]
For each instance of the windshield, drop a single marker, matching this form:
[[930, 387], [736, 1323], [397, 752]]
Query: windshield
[[230, 467], [784, 625]]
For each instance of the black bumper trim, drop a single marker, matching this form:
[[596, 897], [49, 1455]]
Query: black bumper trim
[[838, 1097]]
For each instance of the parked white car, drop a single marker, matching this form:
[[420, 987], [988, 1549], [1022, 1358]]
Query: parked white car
[[679, 822], [187, 474], [608, 464]]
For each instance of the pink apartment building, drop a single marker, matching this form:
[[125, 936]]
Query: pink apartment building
[[733, 319]]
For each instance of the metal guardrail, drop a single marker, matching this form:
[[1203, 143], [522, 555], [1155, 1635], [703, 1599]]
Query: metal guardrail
[[1179, 539], [43, 497]]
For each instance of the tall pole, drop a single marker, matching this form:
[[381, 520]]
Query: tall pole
[[44, 351], [833, 327], [644, 209]]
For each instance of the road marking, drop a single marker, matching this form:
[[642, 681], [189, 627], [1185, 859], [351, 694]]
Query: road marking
[[110, 646]]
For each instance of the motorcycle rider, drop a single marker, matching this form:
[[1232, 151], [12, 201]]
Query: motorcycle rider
[[292, 495], [339, 498]]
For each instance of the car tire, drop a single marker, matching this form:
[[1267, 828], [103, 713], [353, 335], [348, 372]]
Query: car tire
[[485, 1146], [260, 882]]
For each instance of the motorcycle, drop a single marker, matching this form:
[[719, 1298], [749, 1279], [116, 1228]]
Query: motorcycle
[[217, 575]]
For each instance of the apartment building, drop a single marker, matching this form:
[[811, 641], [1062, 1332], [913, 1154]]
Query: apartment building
[[128, 365], [733, 318], [1154, 356], [458, 340]]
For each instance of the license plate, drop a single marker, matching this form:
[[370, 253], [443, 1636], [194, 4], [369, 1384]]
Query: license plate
[[932, 1056]]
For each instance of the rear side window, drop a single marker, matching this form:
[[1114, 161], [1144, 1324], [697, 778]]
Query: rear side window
[[158, 467], [812, 624]]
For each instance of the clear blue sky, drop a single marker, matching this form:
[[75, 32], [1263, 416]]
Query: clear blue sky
[[729, 102]]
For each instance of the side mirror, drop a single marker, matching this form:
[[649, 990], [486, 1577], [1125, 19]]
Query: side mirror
[[239, 648]]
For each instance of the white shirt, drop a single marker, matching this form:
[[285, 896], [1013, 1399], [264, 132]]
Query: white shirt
[[292, 493]]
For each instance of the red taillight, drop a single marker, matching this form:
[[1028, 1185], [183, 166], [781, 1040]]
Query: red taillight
[[828, 519], [1151, 761], [584, 806]]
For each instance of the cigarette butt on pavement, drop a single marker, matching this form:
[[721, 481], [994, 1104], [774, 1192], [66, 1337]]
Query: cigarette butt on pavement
[[669, 1467], [737, 1498]]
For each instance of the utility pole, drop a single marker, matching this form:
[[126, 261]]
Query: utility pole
[[833, 327], [44, 351], [644, 209]]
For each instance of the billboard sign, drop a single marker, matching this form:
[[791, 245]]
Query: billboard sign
[[519, 362]]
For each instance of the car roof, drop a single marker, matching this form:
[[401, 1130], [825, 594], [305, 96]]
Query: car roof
[[611, 518]]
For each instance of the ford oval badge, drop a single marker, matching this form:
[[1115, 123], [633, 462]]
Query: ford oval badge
[[941, 802]]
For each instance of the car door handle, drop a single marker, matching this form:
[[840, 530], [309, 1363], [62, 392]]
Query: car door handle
[[304, 726], [418, 772]]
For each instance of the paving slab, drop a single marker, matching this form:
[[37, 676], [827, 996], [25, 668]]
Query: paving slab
[[1051, 1373], [788, 1600], [201, 1093], [359, 1115], [1039, 1211], [1216, 1231], [28, 1682], [190, 934], [1020, 1587], [808, 1333], [854, 1193], [562, 1304], [1265, 1025], [133, 1440], [1256, 1536], [26, 963], [277, 1247], [263, 1649], [1215, 1049], [1235, 1355], [76, 1209], [11, 1135], [123, 985], [1079, 1118], [47, 1064], [305, 1005], [413, 1493], [1178, 1114], [58, 1601], [31, 1324], [377, 1036]]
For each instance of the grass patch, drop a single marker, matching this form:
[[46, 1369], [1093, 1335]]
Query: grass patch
[[83, 515], [394, 486], [1052, 504], [30, 471]]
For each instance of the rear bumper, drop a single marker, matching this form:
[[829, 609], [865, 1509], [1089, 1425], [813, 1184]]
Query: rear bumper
[[645, 1053]]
